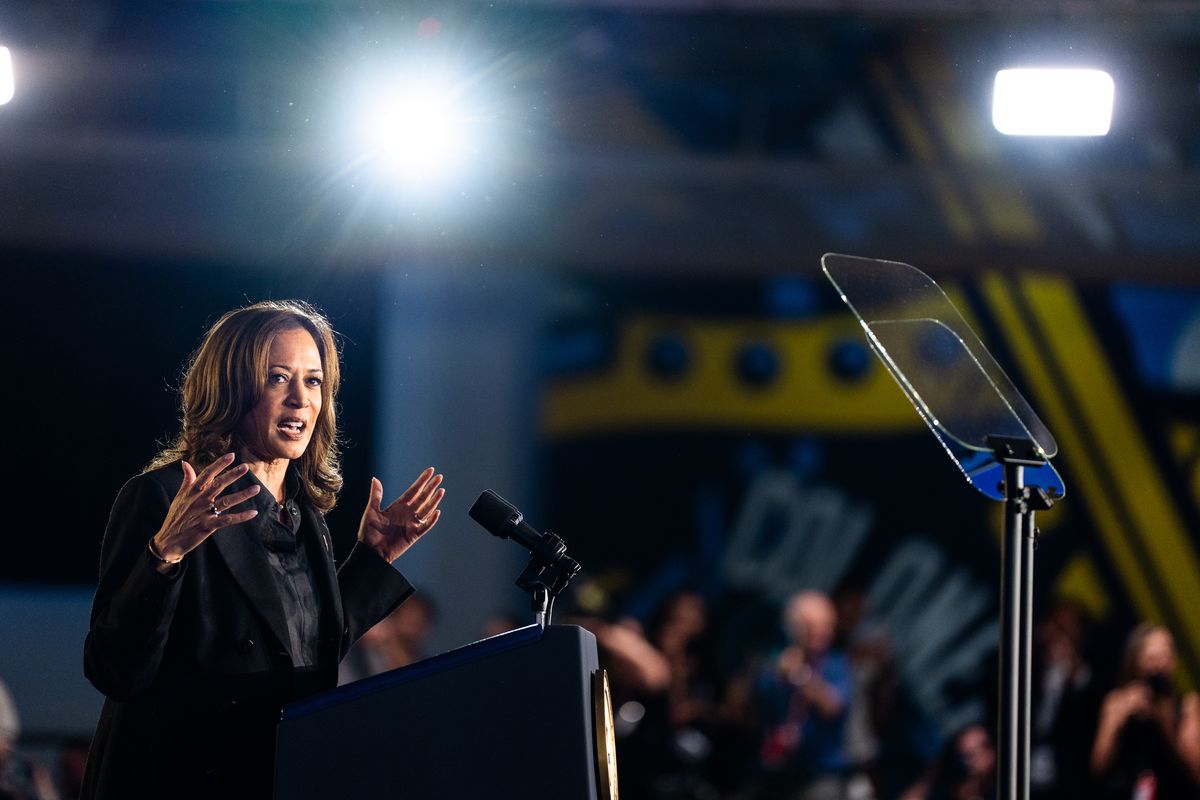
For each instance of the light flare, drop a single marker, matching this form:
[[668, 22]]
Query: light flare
[[418, 129]]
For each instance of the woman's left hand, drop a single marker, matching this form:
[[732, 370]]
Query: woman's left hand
[[392, 530]]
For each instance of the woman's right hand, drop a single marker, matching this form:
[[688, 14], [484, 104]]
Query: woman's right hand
[[190, 519]]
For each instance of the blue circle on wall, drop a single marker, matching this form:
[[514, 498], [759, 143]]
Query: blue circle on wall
[[849, 360], [757, 364], [667, 356]]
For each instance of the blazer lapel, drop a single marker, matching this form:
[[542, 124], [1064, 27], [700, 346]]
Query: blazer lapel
[[246, 558]]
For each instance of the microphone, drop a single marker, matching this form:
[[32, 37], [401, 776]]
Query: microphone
[[501, 518], [549, 569]]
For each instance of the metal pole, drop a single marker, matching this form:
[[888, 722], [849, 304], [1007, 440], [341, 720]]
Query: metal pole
[[1016, 601], [1025, 701]]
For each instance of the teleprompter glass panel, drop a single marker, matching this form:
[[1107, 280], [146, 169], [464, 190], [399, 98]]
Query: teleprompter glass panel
[[946, 372]]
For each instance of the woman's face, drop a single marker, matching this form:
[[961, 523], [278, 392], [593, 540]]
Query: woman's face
[[976, 751], [1157, 654], [280, 426]]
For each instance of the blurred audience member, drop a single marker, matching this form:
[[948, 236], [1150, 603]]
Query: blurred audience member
[[681, 635], [72, 758], [21, 777], [1148, 740], [739, 729], [966, 770], [805, 691], [664, 697], [396, 641], [501, 623], [1064, 705], [411, 630], [873, 697], [634, 665], [10, 721], [639, 676]]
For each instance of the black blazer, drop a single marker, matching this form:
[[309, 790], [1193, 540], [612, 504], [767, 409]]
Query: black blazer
[[195, 667]]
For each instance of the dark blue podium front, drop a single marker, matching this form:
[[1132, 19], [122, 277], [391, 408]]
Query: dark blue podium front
[[507, 717]]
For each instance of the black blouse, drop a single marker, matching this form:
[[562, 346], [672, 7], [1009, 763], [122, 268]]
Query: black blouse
[[288, 546]]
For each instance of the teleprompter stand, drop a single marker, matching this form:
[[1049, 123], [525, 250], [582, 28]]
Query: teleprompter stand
[[1016, 609], [992, 435]]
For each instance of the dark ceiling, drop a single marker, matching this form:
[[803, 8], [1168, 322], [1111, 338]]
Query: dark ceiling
[[615, 135]]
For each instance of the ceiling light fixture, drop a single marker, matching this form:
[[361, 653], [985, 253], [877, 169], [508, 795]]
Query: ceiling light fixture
[[1052, 102]]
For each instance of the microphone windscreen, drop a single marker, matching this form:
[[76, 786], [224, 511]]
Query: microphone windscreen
[[492, 512]]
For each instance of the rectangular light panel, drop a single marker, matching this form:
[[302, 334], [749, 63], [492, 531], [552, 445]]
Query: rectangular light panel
[[6, 76], [1052, 102]]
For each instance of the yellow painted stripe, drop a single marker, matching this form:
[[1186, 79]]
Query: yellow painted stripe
[[1009, 217], [1001, 202], [804, 396], [954, 210], [1080, 582], [1072, 440], [1183, 438], [1156, 521]]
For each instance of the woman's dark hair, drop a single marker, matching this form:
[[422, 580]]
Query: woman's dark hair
[[227, 375]]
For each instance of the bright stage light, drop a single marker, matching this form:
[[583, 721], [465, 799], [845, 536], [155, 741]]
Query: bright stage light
[[418, 129], [1052, 102], [7, 87]]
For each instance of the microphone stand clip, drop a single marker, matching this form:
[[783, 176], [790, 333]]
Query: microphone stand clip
[[549, 571]]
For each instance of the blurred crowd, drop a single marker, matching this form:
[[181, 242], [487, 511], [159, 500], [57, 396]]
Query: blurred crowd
[[820, 714], [22, 777], [814, 712]]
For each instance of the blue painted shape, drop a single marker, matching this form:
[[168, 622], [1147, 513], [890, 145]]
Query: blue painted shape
[[575, 351], [1154, 319], [791, 297]]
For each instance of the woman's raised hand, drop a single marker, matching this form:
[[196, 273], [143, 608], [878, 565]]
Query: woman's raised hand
[[392, 530], [199, 509]]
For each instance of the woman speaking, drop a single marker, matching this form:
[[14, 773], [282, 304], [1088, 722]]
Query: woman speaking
[[218, 599]]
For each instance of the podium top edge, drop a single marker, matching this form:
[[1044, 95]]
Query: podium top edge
[[474, 651]]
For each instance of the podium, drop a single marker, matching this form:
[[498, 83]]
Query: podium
[[513, 716]]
